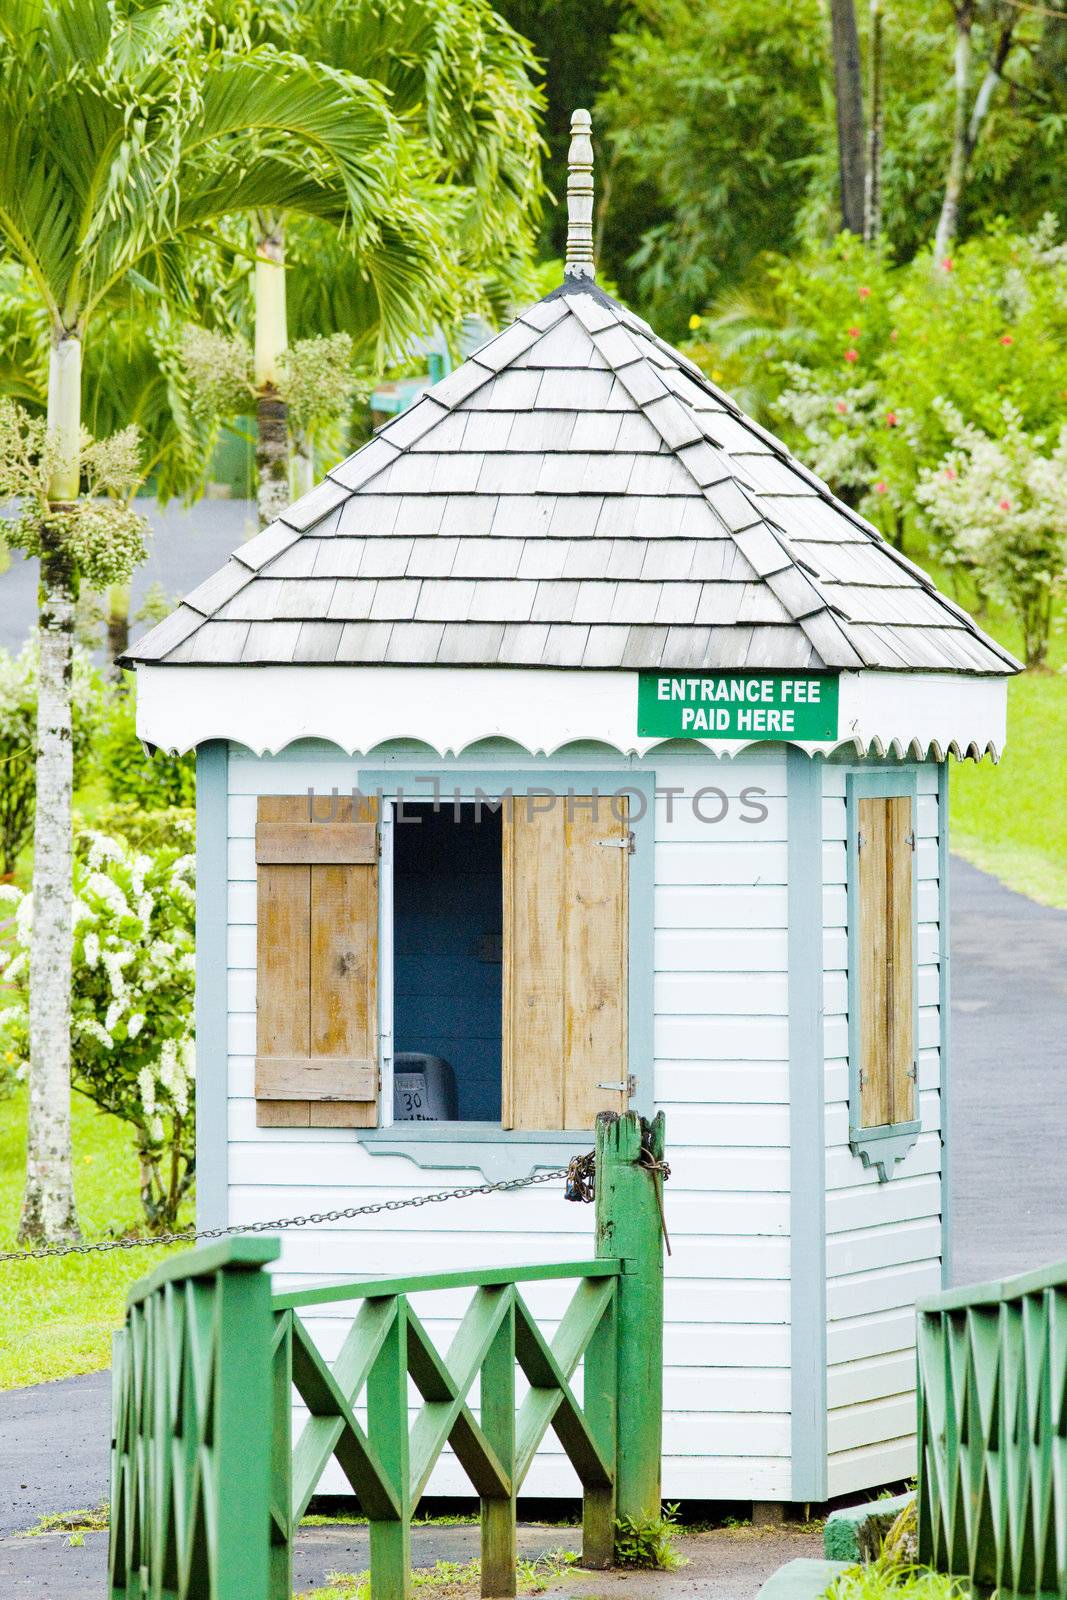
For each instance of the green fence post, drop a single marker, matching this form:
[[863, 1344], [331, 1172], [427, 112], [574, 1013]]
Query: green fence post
[[281, 1472], [387, 1428], [497, 1415], [628, 1227], [190, 1514], [599, 1386]]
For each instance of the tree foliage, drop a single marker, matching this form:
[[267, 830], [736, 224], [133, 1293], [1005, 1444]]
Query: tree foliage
[[715, 118], [881, 376], [718, 119], [151, 783]]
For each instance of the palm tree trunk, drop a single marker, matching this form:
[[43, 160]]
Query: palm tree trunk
[[272, 448], [48, 1209], [848, 94]]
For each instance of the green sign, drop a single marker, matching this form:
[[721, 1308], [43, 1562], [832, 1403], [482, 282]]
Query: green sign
[[737, 705]]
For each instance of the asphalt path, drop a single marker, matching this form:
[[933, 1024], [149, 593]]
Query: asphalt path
[[1008, 1187]]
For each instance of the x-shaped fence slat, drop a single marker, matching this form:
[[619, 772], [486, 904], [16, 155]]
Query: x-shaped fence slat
[[332, 1428], [548, 1369], [444, 1384]]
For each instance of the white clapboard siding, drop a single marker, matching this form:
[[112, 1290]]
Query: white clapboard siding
[[886, 1289], [851, 1427], [722, 1071], [709, 861], [860, 1338], [716, 951], [889, 1461], [880, 1377], [883, 1239]]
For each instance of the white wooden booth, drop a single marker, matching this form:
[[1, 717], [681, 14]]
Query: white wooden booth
[[648, 735]]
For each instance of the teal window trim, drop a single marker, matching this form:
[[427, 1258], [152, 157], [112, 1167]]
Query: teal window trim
[[212, 917], [878, 1147], [504, 1152], [807, 1143], [944, 1016]]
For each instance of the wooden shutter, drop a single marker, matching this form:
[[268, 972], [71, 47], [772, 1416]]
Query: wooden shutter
[[316, 966], [566, 872], [886, 969]]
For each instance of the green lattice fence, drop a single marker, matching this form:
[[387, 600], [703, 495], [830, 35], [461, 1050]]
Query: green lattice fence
[[992, 1494], [208, 1488]]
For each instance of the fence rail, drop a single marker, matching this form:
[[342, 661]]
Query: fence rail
[[208, 1488], [992, 1490]]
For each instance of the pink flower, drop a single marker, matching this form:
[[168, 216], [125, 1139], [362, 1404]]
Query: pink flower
[[840, 407], [880, 488], [948, 264], [853, 333], [1005, 505], [852, 355], [890, 419], [865, 293], [1006, 338], [949, 473]]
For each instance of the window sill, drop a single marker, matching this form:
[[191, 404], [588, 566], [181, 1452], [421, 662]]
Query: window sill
[[883, 1147], [497, 1153]]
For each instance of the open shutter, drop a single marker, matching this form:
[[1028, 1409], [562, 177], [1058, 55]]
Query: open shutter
[[886, 976], [566, 872], [316, 966], [900, 978]]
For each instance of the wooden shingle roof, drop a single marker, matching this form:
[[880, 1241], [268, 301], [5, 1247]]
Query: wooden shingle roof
[[576, 494]]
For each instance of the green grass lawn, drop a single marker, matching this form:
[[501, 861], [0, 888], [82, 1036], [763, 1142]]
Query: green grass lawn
[[59, 1314], [1011, 819]]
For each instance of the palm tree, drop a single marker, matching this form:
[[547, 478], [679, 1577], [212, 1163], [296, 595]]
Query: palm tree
[[462, 83], [132, 373], [124, 136]]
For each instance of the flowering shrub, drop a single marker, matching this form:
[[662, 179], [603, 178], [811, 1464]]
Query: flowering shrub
[[991, 328], [999, 505], [149, 830], [844, 427], [132, 1003], [152, 783], [869, 370], [18, 740]]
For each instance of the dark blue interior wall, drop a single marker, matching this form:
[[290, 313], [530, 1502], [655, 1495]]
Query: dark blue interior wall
[[447, 908]]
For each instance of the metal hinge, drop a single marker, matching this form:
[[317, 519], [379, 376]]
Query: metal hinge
[[911, 840], [627, 843], [627, 1086], [913, 1072]]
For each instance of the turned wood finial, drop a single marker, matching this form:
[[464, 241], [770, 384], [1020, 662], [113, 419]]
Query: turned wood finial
[[579, 262]]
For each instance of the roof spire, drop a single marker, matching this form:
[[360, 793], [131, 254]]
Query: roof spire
[[579, 262]]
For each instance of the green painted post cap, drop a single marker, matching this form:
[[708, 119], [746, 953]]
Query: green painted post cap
[[248, 1254]]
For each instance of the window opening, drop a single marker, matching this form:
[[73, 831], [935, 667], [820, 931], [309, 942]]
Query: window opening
[[447, 997]]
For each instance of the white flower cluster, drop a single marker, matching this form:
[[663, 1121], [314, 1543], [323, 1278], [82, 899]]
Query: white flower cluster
[[165, 1084], [1000, 506], [132, 1002]]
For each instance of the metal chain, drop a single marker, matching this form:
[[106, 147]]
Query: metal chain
[[311, 1220]]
